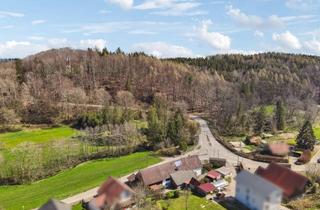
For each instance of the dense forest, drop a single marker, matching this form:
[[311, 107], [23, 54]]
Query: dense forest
[[42, 88]]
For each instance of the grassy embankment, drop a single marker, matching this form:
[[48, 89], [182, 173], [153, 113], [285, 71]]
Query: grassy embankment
[[72, 181], [44, 135]]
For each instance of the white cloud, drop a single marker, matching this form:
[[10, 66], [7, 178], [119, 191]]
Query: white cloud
[[7, 27], [36, 38], [58, 42], [254, 21], [93, 43], [163, 50], [18, 49], [142, 32], [287, 40], [303, 4], [259, 34], [313, 45], [37, 22], [214, 39], [172, 7], [124, 4], [10, 14]]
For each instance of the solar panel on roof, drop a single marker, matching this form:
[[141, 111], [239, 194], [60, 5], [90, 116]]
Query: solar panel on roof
[[178, 163]]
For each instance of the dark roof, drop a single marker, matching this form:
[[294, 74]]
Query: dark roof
[[161, 172], [194, 182], [181, 177], [214, 174], [53, 204], [206, 187], [289, 181], [113, 188]]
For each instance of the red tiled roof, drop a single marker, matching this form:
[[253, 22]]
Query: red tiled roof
[[206, 187], [161, 172], [214, 174], [113, 188], [289, 181]]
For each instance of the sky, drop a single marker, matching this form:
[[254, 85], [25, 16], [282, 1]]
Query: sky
[[163, 28]]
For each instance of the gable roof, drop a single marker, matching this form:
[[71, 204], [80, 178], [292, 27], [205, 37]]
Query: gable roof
[[256, 183], [214, 174], [206, 187], [289, 181], [181, 177], [54, 204], [113, 188], [224, 171], [161, 172]]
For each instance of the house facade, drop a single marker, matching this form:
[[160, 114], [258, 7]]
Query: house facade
[[257, 193]]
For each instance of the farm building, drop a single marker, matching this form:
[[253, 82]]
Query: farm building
[[160, 175]]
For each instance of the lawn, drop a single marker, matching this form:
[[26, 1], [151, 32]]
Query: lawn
[[37, 135], [194, 202], [316, 130], [72, 181]]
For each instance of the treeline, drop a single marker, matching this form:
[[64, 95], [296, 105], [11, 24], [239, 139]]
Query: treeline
[[45, 88]]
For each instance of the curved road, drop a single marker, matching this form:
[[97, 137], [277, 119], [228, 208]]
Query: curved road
[[210, 147]]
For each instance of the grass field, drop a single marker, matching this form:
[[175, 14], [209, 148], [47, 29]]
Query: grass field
[[316, 130], [194, 202], [36, 135], [70, 182]]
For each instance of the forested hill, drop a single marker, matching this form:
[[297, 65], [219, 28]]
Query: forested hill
[[221, 84], [266, 74]]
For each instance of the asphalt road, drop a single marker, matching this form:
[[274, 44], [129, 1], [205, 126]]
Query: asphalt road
[[210, 147]]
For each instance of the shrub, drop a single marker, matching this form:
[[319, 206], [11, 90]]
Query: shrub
[[176, 194], [170, 195], [171, 151]]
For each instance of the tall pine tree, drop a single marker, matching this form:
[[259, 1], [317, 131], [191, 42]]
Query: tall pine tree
[[260, 120], [306, 138], [280, 115]]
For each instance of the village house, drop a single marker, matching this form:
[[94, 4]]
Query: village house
[[205, 189], [257, 193], [213, 175], [181, 179], [112, 193], [160, 176], [225, 171], [53, 204], [291, 183]]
